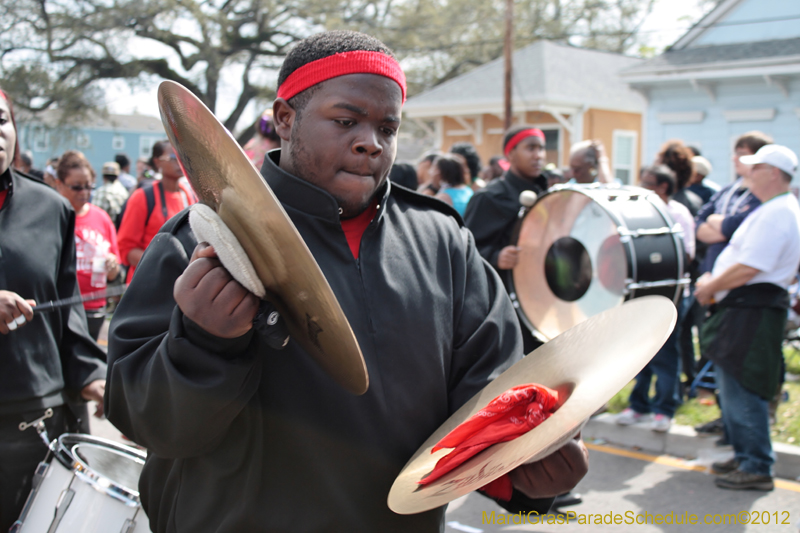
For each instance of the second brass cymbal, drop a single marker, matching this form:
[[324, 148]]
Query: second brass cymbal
[[586, 364], [226, 181]]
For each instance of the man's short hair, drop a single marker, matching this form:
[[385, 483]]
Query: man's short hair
[[324, 45], [27, 158], [122, 160], [468, 152], [589, 151], [786, 176], [663, 174], [753, 141]]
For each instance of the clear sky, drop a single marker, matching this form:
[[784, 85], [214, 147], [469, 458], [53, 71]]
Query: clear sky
[[668, 21]]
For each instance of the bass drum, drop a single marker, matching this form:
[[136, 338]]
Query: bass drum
[[587, 248], [88, 486]]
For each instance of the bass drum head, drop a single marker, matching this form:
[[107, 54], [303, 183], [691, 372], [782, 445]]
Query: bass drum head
[[573, 262]]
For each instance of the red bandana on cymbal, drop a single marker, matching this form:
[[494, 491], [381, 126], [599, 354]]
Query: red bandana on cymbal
[[524, 134], [355, 62], [510, 415]]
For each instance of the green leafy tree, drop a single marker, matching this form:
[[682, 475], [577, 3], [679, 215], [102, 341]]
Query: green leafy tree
[[58, 53], [54, 52]]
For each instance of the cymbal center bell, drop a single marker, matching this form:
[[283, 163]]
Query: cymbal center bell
[[568, 269]]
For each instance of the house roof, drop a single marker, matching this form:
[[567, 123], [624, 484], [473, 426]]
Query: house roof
[[740, 54], [738, 38], [117, 123], [545, 73]]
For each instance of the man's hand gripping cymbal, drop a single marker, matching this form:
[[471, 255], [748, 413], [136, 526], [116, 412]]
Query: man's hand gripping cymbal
[[212, 299]]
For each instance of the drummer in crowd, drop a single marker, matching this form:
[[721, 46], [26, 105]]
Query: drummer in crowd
[[43, 357], [493, 211], [241, 437]]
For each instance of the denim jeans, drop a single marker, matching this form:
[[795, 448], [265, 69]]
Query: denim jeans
[[746, 418], [665, 366]]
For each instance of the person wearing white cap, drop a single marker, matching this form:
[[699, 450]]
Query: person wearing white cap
[[716, 222], [744, 332]]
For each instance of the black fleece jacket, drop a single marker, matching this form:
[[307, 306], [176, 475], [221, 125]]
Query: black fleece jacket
[[54, 353], [242, 437]]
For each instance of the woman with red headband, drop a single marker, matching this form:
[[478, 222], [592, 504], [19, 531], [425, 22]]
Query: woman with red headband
[[242, 437], [44, 358]]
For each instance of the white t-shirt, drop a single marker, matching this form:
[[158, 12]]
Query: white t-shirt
[[683, 217], [767, 240]]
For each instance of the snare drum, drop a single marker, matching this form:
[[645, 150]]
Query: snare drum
[[89, 487], [587, 248]]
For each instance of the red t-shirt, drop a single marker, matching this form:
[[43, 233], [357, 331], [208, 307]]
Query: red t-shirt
[[355, 227], [133, 233], [91, 231]]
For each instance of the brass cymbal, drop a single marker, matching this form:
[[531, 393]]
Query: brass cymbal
[[587, 364], [227, 181]]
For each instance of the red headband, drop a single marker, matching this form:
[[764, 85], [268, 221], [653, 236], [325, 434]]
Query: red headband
[[524, 134], [355, 62]]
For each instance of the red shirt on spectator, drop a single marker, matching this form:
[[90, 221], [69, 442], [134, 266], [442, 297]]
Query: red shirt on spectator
[[92, 230], [133, 233]]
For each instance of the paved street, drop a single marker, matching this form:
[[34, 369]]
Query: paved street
[[628, 484], [631, 483], [619, 484]]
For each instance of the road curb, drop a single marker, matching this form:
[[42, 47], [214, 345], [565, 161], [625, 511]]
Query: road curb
[[683, 441]]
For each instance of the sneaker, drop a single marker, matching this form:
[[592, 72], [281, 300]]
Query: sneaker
[[629, 417], [725, 467], [715, 427], [741, 480], [661, 423]]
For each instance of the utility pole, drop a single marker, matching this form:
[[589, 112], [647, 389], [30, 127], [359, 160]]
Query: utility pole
[[508, 67]]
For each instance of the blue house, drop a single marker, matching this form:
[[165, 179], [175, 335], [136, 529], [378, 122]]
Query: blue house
[[99, 138], [735, 71]]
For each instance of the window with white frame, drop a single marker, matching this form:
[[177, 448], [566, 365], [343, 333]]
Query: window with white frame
[[624, 156], [146, 143], [118, 142]]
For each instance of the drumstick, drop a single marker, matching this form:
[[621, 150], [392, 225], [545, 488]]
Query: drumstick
[[67, 302]]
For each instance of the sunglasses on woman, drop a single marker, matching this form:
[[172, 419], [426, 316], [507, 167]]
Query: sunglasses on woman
[[79, 188]]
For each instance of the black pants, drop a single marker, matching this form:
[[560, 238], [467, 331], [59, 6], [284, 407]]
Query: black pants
[[95, 321], [20, 452], [694, 317]]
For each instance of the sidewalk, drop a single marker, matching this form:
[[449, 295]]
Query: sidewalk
[[683, 441]]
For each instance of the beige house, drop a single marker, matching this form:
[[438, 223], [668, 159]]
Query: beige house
[[571, 93]]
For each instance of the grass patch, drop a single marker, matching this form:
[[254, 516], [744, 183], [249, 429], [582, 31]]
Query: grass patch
[[620, 399], [791, 354], [787, 427]]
